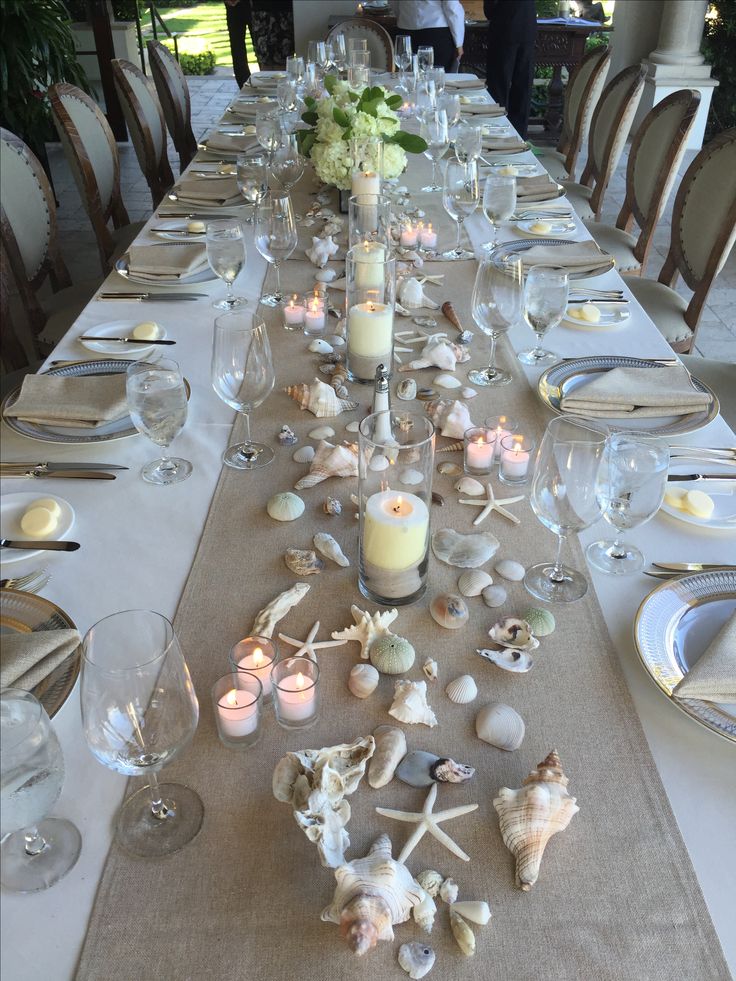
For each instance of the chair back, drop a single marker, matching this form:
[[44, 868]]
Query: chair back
[[609, 130], [380, 45], [656, 153], [145, 120], [584, 88], [173, 94], [92, 154]]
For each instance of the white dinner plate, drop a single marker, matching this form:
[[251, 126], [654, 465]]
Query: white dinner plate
[[522, 170], [613, 316], [176, 231], [118, 328], [558, 227], [12, 509], [203, 276], [723, 493]]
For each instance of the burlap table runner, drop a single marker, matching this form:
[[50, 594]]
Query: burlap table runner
[[617, 897]]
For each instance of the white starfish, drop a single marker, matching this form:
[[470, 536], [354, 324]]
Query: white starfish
[[426, 821], [310, 646], [491, 504]]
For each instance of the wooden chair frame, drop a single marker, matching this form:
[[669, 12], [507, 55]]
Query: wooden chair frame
[[178, 118], [571, 139], [374, 28]]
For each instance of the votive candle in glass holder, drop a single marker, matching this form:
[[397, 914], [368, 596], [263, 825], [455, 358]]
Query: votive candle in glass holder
[[516, 458], [409, 238], [480, 445], [295, 682], [293, 309], [255, 655], [237, 699], [315, 312], [428, 237], [503, 426], [370, 292], [366, 156]]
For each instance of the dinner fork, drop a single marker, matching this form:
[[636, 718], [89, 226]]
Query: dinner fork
[[30, 583]]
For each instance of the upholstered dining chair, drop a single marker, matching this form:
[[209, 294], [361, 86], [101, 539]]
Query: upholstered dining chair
[[656, 153], [379, 40], [30, 246], [173, 94], [583, 91], [92, 154], [703, 234], [609, 130], [145, 120]]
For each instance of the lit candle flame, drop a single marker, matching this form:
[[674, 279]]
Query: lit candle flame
[[397, 506], [258, 658], [232, 698], [517, 447], [300, 680]]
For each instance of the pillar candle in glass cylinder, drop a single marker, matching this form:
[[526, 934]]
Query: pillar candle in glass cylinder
[[366, 155], [369, 220], [369, 272], [370, 311]]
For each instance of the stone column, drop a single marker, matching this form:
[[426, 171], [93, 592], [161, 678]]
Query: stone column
[[680, 33]]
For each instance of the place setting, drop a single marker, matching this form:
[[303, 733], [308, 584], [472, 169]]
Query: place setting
[[166, 264]]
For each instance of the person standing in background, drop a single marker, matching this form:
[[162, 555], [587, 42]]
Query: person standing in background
[[273, 32], [436, 23], [512, 31], [239, 18]]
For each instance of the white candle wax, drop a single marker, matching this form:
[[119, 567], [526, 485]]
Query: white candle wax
[[428, 238], [395, 530], [479, 454], [238, 712], [369, 258], [294, 313], [259, 664], [500, 434], [314, 317], [370, 329], [366, 182], [514, 462], [296, 696], [409, 237]]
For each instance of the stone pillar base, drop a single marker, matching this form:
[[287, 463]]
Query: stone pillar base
[[663, 80]]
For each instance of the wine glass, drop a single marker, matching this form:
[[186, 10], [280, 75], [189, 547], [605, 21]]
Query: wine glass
[[497, 303], [36, 851], [468, 140], [338, 54], [451, 104], [564, 496], [139, 711], [631, 486], [433, 130], [288, 164], [460, 197], [316, 53], [425, 96], [295, 68], [225, 245], [157, 400], [268, 129], [425, 57], [499, 203], [252, 180], [287, 94], [243, 376], [545, 303], [275, 236], [437, 75], [402, 56]]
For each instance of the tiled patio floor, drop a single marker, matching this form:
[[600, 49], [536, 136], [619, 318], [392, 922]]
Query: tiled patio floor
[[211, 95]]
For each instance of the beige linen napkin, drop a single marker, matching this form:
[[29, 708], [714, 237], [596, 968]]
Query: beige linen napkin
[[250, 109], [170, 262], [230, 144], [574, 256], [464, 83], [481, 109], [507, 144], [85, 402], [26, 659], [209, 191], [713, 676], [636, 393], [537, 188]]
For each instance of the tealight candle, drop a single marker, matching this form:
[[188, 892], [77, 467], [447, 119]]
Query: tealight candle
[[428, 238], [516, 453], [294, 312], [236, 699], [409, 237], [295, 686], [504, 426], [255, 655], [366, 182], [314, 315], [395, 530], [480, 445]]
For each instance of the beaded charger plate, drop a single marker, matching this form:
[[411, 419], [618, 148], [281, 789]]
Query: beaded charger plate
[[507, 249]]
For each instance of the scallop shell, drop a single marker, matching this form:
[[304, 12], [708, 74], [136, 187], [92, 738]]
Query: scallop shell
[[406, 390], [541, 621], [285, 506], [473, 582], [464, 936], [353, 427], [410, 704], [468, 392], [449, 891], [363, 680], [445, 380], [500, 725], [321, 432], [508, 569], [470, 487], [378, 462], [327, 546], [392, 654], [322, 251], [449, 469], [450, 418], [411, 477], [331, 505], [303, 562], [464, 551], [494, 596], [390, 751], [320, 398], [476, 910], [330, 461], [449, 610], [462, 690], [305, 454], [429, 669], [416, 959], [430, 881], [515, 633]]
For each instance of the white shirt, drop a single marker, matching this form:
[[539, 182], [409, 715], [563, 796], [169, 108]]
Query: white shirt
[[417, 15]]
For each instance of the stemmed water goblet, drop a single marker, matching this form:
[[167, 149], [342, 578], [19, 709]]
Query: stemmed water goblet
[[157, 400], [631, 485], [288, 164], [425, 57], [268, 129], [275, 237], [252, 180], [295, 68], [287, 94], [317, 54], [36, 851], [437, 75], [545, 302], [564, 496], [497, 303], [460, 196], [243, 376], [433, 129], [499, 203], [225, 244], [337, 52], [139, 711], [468, 140]]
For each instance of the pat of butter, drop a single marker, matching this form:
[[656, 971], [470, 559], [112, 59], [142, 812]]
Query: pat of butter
[[148, 330], [699, 503], [591, 313], [38, 522], [575, 313], [675, 497], [509, 171], [50, 503], [540, 228], [196, 227], [465, 100]]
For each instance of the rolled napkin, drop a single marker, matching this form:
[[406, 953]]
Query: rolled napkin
[[234, 145], [208, 191], [464, 83], [576, 257], [481, 109], [637, 393], [536, 188], [713, 676], [26, 659], [170, 262], [507, 144], [83, 403]]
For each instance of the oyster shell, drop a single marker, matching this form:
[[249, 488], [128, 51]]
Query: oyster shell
[[464, 551], [363, 680], [448, 469], [462, 690], [406, 390], [320, 399], [470, 486], [330, 461], [285, 506], [391, 654], [322, 251], [429, 669], [515, 633], [464, 936], [451, 418], [390, 750], [500, 725], [476, 910], [508, 659], [449, 610], [473, 582], [508, 569], [367, 628], [303, 562], [449, 891], [327, 546], [269, 616], [410, 704], [421, 769], [416, 959]]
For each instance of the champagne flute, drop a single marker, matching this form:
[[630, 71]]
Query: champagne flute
[[139, 711], [36, 851], [545, 303], [225, 245], [425, 96], [402, 56], [252, 180], [425, 57], [497, 303], [468, 140], [460, 197], [243, 376], [499, 203], [157, 400], [275, 236], [433, 129], [631, 486], [451, 104], [564, 498]]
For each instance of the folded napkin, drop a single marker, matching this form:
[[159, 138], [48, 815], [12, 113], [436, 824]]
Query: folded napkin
[[464, 83], [536, 188], [170, 262], [636, 393], [209, 191], [239, 108], [508, 144], [229, 144], [481, 109], [26, 659], [86, 402], [713, 676], [577, 257], [264, 79]]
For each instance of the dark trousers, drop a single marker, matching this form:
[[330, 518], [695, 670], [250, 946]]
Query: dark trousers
[[238, 19], [510, 78], [439, 38]]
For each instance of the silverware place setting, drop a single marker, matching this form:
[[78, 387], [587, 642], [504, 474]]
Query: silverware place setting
[[32, 582], [148, 298]]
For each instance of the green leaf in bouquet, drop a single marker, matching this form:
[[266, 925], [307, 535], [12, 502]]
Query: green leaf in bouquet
[[340, 117], [310, 118], [305, 140], [370, 108], [353, 96], [330, 82], [310, 102], [393, 101], [409, 142]]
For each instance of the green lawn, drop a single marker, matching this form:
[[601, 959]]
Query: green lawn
[[200, 28]]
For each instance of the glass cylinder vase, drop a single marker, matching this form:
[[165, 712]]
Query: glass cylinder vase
[[366, 160], [369, 220], [396, 460], [370, 294]]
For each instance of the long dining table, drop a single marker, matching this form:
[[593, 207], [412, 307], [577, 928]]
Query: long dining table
[[139, 543]]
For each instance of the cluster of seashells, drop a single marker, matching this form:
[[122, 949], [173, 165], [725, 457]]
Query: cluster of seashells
[[476, 911]]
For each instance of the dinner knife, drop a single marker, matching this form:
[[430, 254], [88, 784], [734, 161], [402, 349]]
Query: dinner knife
[[700, 476], [63, 474], [50, 466], [123, 340], [48, 546], [149, 298], [193, 217]]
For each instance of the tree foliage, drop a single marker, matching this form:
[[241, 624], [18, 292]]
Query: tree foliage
[[719, 48]]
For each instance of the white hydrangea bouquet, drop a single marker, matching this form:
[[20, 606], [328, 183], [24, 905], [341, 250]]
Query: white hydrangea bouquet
[[345, 113]]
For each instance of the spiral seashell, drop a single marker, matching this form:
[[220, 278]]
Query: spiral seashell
[[392, 654], [410, 704], [429, 669], [285, 506], [363, 681], [303, 562], [438, 352], [473, 582], [412, 296], [430, 881], [449, 311], [449, 891], [331, 505], [462, 690], [464, 936], [500, 725], [454, 447], [320, 399], [330, 461]]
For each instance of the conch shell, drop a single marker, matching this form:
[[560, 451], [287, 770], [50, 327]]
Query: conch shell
[[321, 399], [330, 461], [412, 295], [367, 628], [316, 782], [438, 352], [374, 893], [410, 703], [528, 817], [322, 251], [450, 418]]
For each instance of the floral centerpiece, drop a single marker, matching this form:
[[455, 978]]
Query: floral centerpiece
[[345, 113]]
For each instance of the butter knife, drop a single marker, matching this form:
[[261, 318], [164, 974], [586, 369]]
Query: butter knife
[[149, 298], [123, 340], [192, 216], [50, 466], [63, 474], [48, 546], [699, 476]]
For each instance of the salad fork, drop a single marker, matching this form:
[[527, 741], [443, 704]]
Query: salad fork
[[30, 583]]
